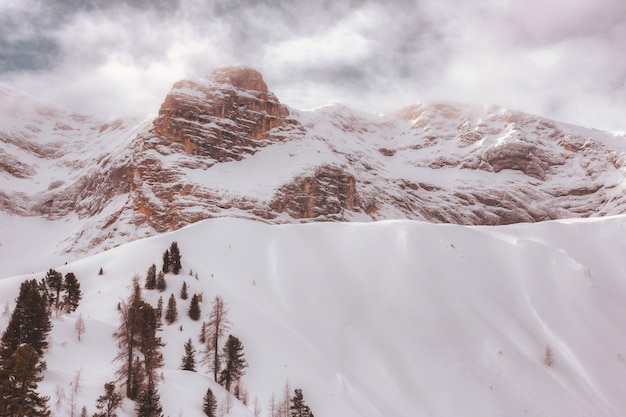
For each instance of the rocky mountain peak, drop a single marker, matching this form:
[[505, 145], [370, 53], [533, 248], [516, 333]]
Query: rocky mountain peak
[[224, 145], [241, 77], [223, 117]]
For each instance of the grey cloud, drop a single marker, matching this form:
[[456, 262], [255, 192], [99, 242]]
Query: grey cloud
[[535, 56]]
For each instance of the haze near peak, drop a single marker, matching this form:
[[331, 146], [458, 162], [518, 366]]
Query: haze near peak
[[561, 60]]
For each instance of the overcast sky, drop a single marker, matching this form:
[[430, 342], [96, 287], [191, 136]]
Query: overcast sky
[[564, 59]]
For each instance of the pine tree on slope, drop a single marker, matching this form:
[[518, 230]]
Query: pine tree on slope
[[19, 376], [73, 293], [215, 330], [194, 308], [209, 403], [149, 404], [167, 264], [161, 285], [235, 362], [29, 322], [171, 314], [175, 263], [151, 276], [54, 281], [109, 402], [183, 291], [189, 360], [128, 337], [298, 406]]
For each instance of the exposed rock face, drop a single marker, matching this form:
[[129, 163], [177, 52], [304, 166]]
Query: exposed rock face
[[324, 195], [225, 116], [225, 146]]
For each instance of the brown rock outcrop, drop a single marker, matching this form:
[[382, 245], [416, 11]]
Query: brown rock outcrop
[[225, 116], [326, 193]]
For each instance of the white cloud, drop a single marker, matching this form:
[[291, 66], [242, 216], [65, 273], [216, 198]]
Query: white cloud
[[560, 59]]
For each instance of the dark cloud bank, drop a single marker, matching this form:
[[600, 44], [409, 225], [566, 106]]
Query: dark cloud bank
[[560, 59]]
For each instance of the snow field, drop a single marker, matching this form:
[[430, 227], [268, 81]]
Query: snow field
[[389, 319]]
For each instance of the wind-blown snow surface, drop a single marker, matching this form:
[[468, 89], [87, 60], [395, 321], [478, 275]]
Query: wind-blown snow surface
[[395, 318]]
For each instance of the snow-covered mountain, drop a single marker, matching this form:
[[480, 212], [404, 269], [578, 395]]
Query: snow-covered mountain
[[391, 318], [381, 319], [225, 146]]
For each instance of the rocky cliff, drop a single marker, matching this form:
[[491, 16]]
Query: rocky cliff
[[224, 145]]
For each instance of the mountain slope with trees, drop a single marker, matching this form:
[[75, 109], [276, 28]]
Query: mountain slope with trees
[[357, 319]]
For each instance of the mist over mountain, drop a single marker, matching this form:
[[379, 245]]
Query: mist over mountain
[[443, 259], [224, 145]]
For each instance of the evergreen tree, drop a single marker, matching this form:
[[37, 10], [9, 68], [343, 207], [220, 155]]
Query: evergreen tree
[[298, 407], [137, 380], [160, 283], [109, 402], [128, 337], [215, 330], [183, 291], [150, 343], [235, 362], [29, 322], [151, 277], [73, 293], [19, 377], [209, 404], [194, 308], [171, 314], [175, 258], [202, 336], [167, 264], [189, 360], [54, 281], [149, 404], [159, 309]]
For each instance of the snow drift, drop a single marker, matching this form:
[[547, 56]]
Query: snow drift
[[395, 318]]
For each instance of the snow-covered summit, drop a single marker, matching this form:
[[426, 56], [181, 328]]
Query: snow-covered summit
[[224, 145]]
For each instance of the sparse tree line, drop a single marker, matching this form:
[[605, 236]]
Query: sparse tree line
[[24, 341], [221, 353], [139, 356]]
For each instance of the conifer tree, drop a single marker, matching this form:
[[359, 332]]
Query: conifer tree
[[73, 293], [183, 291], [19, 377], [189, 360], [159, 309], [151, 277], [171, 314], [298, 406], [209, 404], [194, 308], [215, 330], [235, 362], [109, 402], [167, 265], [29, 322], [202, 335], [137, 380], [161, 285], [128, 337], [149, 404], [175, 262], [150, 343], [54, 281]]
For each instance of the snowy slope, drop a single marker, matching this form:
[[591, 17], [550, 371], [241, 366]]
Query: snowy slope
[[393, 319], [224, 146]]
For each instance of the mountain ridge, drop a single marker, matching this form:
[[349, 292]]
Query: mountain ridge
[[224, 145]]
